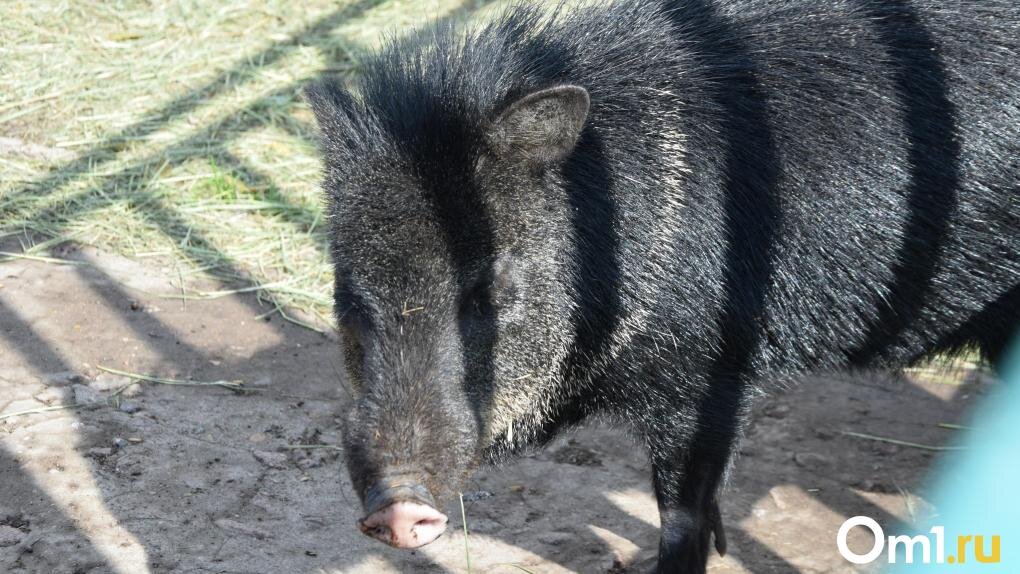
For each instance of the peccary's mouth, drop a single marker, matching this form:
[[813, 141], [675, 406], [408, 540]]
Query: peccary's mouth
[[401, 512]]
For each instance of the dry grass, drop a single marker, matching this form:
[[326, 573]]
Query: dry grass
[[178, 133]]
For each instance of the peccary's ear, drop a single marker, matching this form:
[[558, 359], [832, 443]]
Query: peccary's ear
[[330, 102], [541, 127]]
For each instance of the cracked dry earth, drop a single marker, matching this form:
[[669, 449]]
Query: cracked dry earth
[[165, 478]]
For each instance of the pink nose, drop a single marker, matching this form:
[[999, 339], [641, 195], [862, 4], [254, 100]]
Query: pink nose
[[405, 524]]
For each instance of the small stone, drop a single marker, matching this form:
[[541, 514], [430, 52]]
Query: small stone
[[105, 382], [84, 395], [811, 460], [271, 459], [130, 407], [9, 536], [824, 434]]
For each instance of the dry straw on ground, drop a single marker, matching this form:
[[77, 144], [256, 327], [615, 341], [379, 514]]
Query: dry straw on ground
[[178, 133]]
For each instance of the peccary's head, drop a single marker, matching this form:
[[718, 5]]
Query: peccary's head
[[450, 238]]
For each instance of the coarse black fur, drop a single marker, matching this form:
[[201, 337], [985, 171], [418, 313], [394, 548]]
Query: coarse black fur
[[652, 210]]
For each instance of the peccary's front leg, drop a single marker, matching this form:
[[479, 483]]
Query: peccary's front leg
[[689, 513], [689, 460]]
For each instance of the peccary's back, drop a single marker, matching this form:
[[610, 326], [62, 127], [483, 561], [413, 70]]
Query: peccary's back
[[836, 180], [896, 127]]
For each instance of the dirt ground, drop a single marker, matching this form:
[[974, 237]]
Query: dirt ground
[[163, 478]]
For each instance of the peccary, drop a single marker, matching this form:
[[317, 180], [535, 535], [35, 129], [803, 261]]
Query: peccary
[[650, 211]]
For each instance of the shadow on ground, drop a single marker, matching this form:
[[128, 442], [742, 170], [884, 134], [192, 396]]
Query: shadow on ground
[[205, 479]]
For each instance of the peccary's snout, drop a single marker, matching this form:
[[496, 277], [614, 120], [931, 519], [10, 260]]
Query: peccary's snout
[[411, 438], [401, 513]]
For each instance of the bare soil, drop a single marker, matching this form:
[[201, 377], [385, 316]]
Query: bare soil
[[163, 478]]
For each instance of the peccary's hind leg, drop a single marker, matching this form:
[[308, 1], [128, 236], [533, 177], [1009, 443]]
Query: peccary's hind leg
[[994, 330], [998, 328]]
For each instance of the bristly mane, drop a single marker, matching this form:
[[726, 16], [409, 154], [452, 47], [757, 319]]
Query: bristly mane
[[432, 93]]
